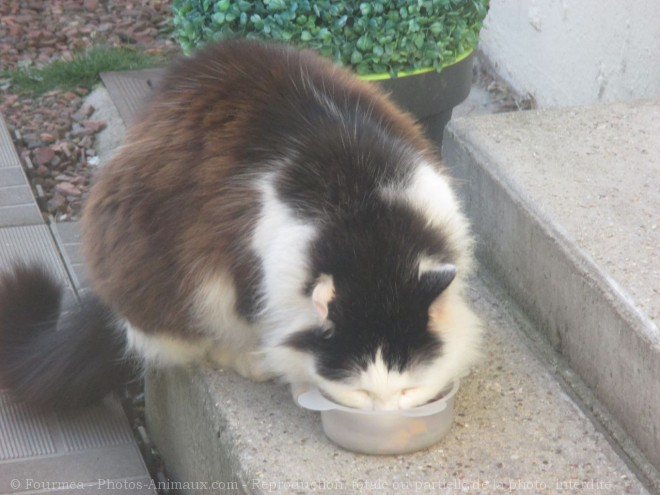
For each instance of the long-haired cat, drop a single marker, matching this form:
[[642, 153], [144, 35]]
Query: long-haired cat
[[271, 213]]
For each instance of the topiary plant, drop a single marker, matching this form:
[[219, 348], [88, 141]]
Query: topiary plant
[[380, 37]]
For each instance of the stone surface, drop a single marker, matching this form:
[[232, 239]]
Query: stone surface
[[566, 204], [597, 173], [515, 430], [110, 138]]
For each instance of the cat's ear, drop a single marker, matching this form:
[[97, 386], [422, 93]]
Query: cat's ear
[[434, 283], [434, 279], [323, 293]]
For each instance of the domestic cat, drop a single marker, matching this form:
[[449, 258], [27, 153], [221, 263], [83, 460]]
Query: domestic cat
[[270, 213]]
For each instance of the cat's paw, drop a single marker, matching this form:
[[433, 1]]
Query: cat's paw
[[249, 364]]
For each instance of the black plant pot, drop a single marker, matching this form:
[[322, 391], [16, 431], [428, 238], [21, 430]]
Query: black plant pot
[[431, 96]]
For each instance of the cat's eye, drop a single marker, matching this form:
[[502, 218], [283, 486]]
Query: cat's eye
[[327, 330]]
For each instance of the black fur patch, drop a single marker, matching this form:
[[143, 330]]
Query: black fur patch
[[56, 360], [372, 253], [340, 151], [343, 162], [434, 282]]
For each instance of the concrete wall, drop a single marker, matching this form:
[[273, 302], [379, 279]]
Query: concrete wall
[[576, 52]]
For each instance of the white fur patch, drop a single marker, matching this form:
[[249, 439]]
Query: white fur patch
[[384, 386], [214, 303], [281, 241], [432, 195], [380, 388], [292, 365], [162, 350], [460, 330], [429, 192]]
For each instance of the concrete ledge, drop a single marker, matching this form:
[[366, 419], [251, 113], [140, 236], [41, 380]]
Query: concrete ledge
[[553, 197], [515, 429]]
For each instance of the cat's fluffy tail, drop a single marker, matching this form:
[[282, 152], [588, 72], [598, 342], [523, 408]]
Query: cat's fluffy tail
[[51, 358]]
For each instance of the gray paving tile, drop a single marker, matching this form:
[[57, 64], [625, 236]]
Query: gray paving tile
[[40, 453], [8, 155], [15, 196], [32, 243], [129, 89], [17, 203], [116, 463], [69, 232], [67, 237], [24, 214], [95, 427], [22, 434], [12, 176]]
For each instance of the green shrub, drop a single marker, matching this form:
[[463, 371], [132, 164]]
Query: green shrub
[[373, 37]]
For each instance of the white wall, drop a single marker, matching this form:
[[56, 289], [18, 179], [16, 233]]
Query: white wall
[[575, 52]]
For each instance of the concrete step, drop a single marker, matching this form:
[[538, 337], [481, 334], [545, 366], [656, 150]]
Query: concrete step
[[566, 207], [516, 429], [519, 426]]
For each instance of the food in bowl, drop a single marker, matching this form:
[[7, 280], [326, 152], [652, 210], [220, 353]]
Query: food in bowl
[[381, 432]]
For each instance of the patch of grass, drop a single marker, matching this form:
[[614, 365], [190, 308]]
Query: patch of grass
[[83, 70]]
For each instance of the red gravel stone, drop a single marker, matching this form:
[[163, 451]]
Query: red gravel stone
[[47, 137], [38, 32], [67, 189], [43, 155], [93, 125]]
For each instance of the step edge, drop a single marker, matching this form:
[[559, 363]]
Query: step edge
[[461, 145]]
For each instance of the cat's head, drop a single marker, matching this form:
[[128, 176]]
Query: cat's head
[[387, 343]]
